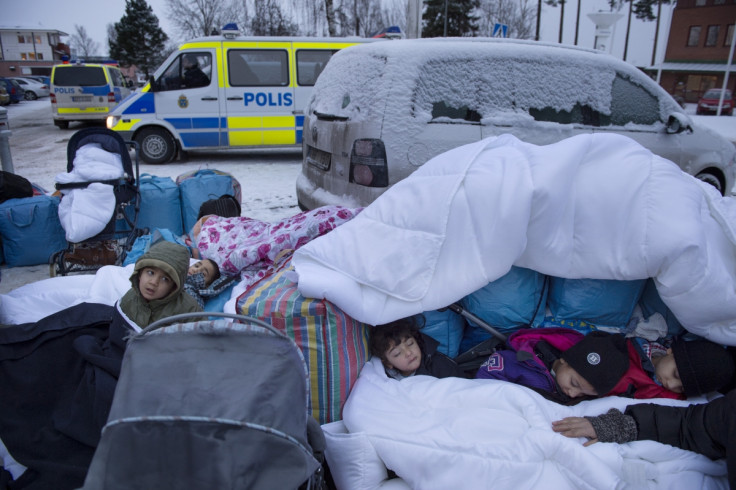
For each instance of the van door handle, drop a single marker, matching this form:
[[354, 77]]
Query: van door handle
[[234, 98], [209, 98]]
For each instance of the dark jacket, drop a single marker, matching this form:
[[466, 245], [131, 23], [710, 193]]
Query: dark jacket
[[708, 429], [436, 363]]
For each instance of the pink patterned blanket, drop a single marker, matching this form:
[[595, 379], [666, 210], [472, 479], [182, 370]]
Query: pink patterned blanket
[[249, 247]]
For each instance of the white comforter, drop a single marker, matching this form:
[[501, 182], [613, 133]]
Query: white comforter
[[461, 433], [592, 206]]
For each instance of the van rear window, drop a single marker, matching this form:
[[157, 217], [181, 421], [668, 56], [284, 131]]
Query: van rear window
[[79, 76]]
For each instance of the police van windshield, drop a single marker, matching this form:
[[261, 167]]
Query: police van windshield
[[79, 76]]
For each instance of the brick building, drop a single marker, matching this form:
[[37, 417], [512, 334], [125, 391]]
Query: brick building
[[698, 48]]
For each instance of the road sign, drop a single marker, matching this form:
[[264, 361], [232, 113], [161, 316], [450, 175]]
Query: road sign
[[500, 30]]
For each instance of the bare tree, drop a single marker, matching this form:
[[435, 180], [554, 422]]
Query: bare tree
[[83, 45], [195, 18], [518, 15], [269, 20]]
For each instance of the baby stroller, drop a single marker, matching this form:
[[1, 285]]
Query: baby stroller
[[210, 404], [108, 245]]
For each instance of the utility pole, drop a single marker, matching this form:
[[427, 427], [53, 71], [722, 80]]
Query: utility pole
[[445, 31]]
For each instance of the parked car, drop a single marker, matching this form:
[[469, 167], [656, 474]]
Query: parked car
[[34, 89], [708, 103], [4, 97], [381, 110], [14, 89], [40, 78]]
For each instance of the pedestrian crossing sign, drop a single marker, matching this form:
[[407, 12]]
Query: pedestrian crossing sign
[[500, 30]]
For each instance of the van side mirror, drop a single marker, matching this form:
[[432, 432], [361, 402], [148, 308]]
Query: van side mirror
[[151, 83], [677, 123]]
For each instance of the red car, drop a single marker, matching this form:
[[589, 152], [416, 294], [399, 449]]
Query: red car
[[708, 103]]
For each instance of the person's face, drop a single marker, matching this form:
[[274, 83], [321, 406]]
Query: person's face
[[187, 62], [206, 268], [667, 373], [404, 357], [154, 283], [571, 383]]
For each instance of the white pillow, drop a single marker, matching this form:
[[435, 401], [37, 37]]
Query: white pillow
[[353, 461]]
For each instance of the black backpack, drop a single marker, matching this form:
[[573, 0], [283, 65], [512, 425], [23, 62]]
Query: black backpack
[[13, 186]]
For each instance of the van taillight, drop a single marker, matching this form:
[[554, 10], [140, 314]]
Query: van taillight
[[52, 96], [111, 97], [368, 164]]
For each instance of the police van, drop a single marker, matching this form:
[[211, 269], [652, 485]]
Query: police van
[[224, 92], [85, 91]]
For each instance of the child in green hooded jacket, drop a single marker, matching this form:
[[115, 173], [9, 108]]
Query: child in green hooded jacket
[[158, 282]]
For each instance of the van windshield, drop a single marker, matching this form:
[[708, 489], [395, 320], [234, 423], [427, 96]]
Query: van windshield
[[79, 76]]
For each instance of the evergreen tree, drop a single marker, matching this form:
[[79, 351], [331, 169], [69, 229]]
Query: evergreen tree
[[139, 40], [461, 21]]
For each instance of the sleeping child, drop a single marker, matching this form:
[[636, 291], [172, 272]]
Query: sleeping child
[[567, 367], [405, 351]]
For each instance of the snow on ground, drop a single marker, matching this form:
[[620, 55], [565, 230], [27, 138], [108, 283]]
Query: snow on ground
[[38, 149], [267, 177]]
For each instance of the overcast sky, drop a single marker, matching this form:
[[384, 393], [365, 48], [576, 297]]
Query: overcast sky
[[94, 15]]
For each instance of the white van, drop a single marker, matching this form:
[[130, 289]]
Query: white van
[[85, 92], [223, 92], [380, 111]]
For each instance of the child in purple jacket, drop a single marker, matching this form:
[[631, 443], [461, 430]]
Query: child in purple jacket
[[560, 363]]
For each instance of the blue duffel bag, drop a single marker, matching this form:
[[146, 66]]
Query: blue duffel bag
[[160, 204], [30, 230], [202, 185]]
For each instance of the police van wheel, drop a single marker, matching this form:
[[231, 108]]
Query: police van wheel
[[61, 124], [157, 145]]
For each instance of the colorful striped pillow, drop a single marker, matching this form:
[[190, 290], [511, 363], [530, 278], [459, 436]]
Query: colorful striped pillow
[[334, 345]]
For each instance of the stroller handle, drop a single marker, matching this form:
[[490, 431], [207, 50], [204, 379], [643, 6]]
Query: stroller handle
[[188, 316]]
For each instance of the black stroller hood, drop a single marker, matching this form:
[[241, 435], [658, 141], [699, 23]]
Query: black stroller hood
[[109, 141]]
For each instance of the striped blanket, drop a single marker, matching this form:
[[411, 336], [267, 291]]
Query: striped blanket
[[334, 345]]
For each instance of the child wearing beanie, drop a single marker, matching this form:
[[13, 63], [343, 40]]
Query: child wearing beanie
[[560, 363], [687, 368]]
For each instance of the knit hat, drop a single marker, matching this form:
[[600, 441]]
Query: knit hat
[[703, 366], [225, 206], [601, 358]]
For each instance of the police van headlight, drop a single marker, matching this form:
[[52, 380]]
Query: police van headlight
[[112, 121]]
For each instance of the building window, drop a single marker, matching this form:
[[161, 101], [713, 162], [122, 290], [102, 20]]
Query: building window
[[694, 36], [23, 56], [699, 3], [31, 56], [729, 35], [712, 38], [39, 56], [21, 39], [38, 39]]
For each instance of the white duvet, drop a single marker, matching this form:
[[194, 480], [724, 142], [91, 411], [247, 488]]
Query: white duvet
[[85, 212], [592, 206], [461, 433]]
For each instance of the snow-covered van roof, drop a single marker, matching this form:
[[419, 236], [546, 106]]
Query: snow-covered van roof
[[480, 73]]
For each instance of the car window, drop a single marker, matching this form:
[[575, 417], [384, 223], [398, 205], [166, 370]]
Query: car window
[[496, 88], [117, 78], [258, 67], [176, 73], [310, 63], [79, 76], [632, 103]]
